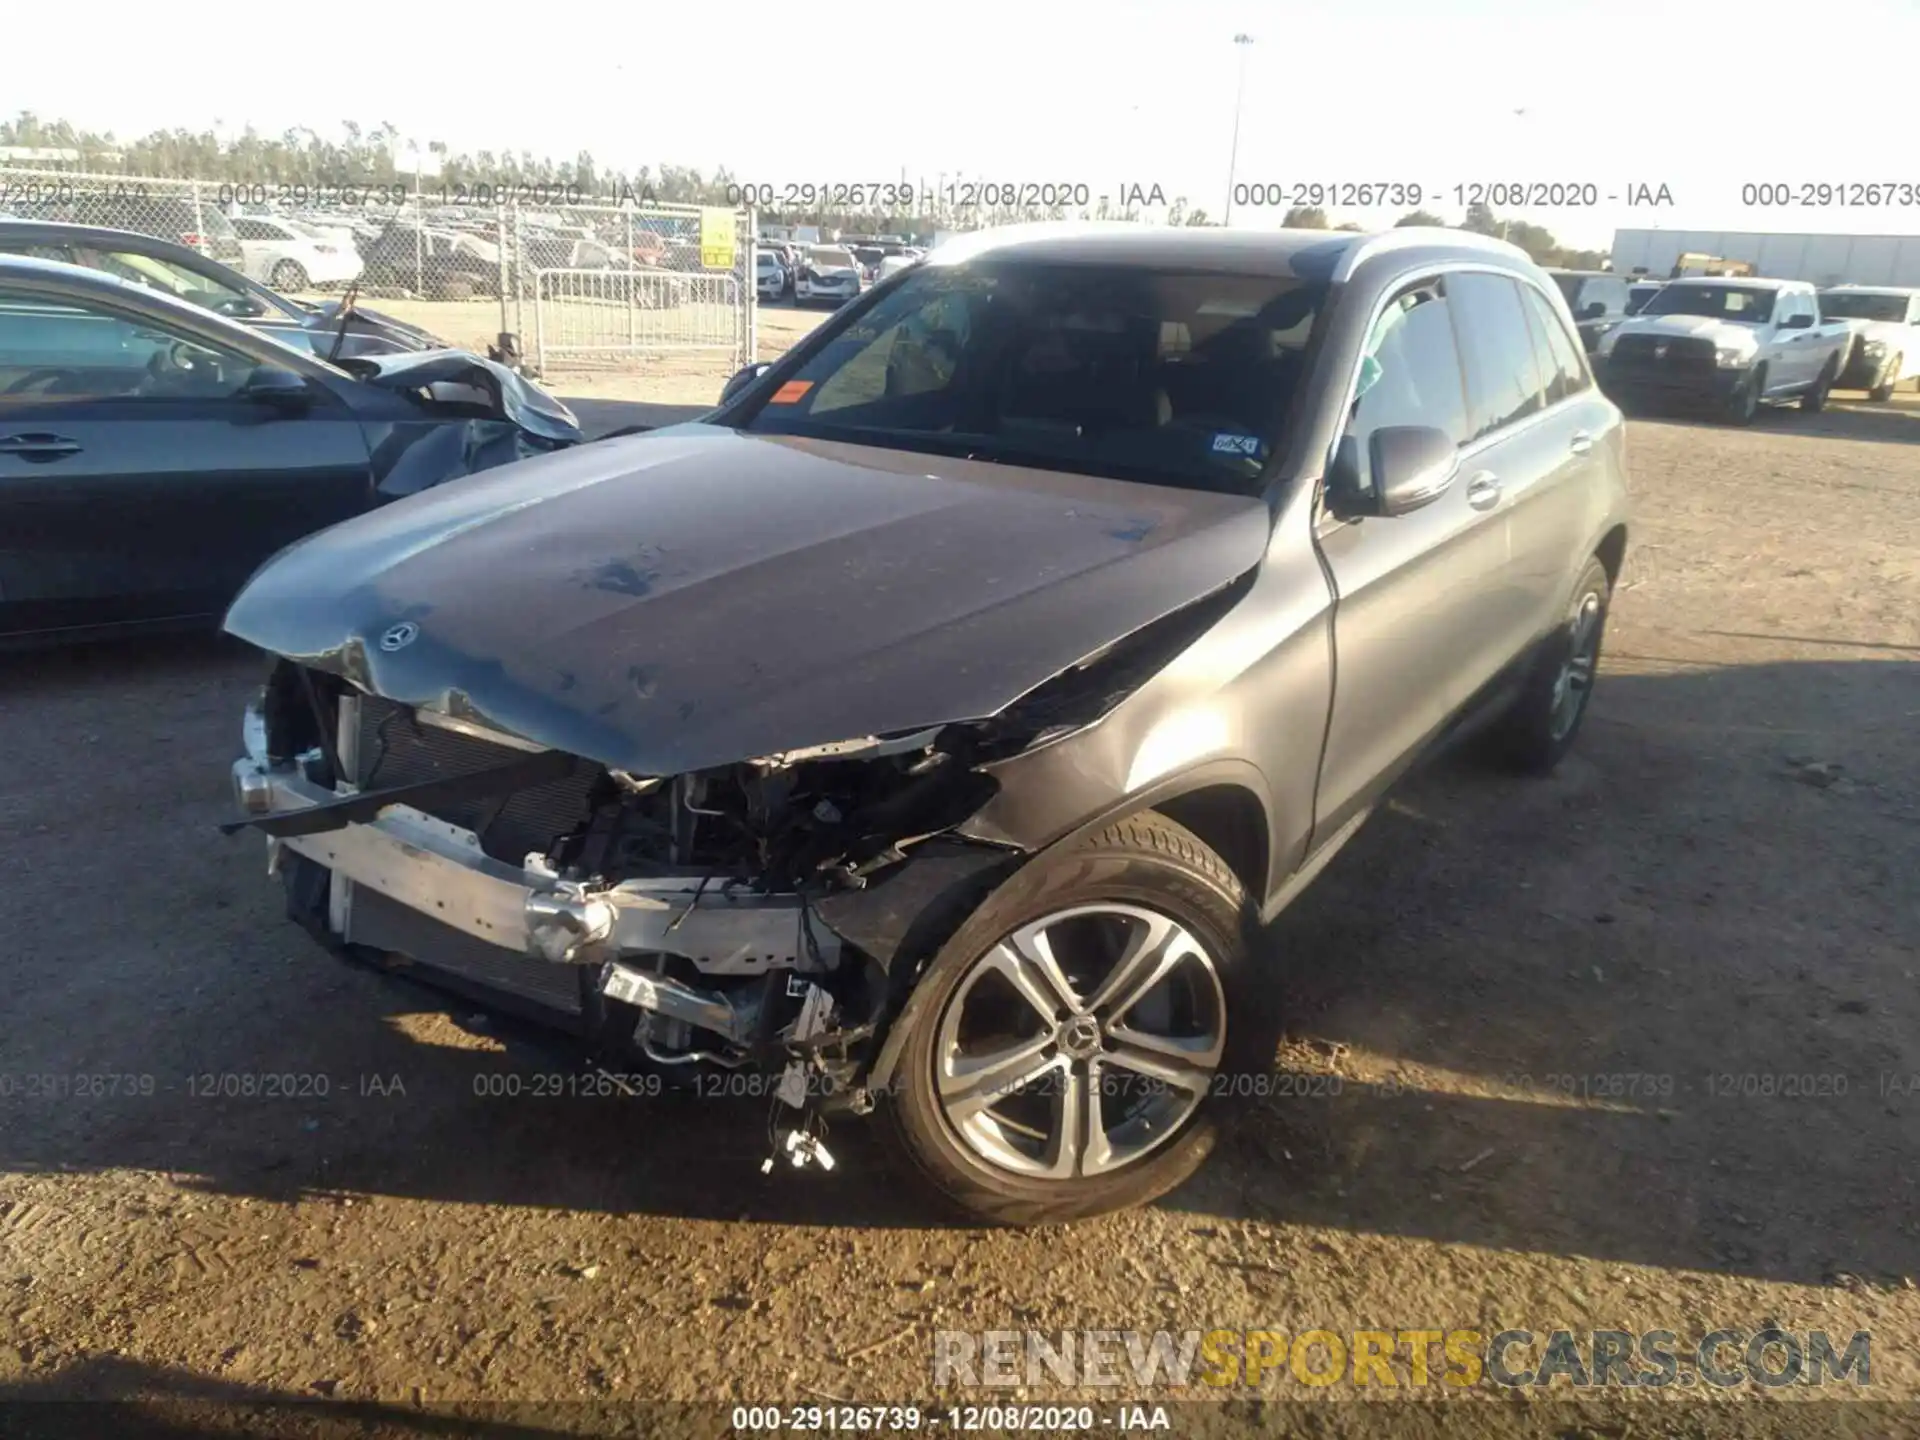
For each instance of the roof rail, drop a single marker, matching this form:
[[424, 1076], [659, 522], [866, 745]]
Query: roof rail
[[1413, 236], [966, 244]]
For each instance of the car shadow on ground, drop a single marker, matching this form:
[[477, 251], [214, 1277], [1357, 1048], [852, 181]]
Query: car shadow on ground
[[1541, 1002]]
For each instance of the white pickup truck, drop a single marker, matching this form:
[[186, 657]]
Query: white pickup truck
[[1887, 320], [1732, 343]]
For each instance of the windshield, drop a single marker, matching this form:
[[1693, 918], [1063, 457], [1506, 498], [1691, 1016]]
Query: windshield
[[1569, 286], [1863, 305], [1746, 304], [1176, 379], [171, 278], [1638, 297], [827, 257]]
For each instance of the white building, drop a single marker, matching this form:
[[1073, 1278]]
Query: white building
[[1822, 259]]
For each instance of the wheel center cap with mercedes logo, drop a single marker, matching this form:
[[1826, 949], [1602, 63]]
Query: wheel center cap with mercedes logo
[[398, 637]]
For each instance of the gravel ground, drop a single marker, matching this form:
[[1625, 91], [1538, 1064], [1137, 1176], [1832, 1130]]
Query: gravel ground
[[1721, 881]]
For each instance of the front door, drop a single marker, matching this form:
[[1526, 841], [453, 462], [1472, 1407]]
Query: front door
[[136, 482]]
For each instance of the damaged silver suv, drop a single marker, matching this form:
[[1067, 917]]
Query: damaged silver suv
[[930, 728]]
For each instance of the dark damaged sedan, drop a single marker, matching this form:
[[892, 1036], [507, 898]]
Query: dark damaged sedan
[[930, 727], [153, 454]]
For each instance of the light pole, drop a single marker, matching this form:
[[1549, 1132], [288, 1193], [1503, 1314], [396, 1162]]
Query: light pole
[[1240, 42], [1518, 114]]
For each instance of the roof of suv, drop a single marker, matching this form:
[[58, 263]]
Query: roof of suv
[[55, 231], [1306, 254]]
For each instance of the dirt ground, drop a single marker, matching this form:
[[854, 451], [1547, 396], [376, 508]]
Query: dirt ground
[[1724, 880]]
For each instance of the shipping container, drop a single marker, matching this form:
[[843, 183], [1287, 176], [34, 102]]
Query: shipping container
[[1821, 259]]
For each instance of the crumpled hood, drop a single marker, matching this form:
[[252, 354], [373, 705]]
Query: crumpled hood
[[515, 397], [676, 601]]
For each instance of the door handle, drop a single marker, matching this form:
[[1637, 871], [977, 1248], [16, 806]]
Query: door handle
[[1483, 490], [1581, 442], [39, 446]]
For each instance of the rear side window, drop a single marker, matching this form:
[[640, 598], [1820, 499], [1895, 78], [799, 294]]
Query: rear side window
[[1504, 384], [1558, 356]]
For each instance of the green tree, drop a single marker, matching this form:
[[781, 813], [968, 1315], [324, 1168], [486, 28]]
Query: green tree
[[1305, 217]]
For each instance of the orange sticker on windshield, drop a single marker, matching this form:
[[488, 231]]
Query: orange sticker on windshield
[[790, 393]]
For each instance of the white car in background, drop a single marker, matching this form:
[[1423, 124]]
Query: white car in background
[[290, 255], [894, 264], [770, 276], [1886, 320], [828, 272]]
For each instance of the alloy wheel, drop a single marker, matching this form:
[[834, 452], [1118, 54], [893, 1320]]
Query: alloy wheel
[[1081, 1042], [1575, 681]]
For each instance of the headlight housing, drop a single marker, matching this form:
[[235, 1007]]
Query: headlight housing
[[1731, 357], [1873, 348]]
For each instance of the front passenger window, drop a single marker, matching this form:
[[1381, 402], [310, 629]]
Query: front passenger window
[[62, 352], [1409, 375]]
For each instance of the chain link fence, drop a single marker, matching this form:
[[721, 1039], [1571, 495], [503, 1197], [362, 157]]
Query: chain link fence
[[627, 288]]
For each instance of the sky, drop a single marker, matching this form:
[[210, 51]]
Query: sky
[[1703, 100]]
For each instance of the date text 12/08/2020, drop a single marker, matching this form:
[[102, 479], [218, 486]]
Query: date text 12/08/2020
[[1528, 194]]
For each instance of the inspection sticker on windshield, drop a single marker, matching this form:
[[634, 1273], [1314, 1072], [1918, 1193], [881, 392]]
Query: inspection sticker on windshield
[[1227, 443], [790, 393]]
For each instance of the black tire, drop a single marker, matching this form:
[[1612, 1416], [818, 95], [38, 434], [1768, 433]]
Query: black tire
[[1147, 862], [1744, 404], [289, 276], [1533, 737], [1889, 378], [1815, 400]]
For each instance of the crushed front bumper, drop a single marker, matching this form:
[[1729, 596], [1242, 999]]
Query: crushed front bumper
[[439, 871]]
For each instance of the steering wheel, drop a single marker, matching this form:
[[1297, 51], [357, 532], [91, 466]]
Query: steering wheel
[[36, 379]]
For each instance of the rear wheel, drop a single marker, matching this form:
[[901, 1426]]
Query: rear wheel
[[1545, 718], [289, 275], [1889, 378], [1815, 400], [1073, 1034]]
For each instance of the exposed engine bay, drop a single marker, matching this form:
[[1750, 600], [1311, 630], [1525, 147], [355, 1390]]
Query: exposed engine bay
[[766, 915], [730, 879]]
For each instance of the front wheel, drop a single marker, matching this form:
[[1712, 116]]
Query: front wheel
[[1070, 1040], [289, 276], [1745, 403]]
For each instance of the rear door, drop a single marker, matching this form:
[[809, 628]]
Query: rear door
[[1550, 520], [1523, 455], [136, 483]]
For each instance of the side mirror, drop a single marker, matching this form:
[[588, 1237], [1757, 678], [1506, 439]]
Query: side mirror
[[742, 379], [270, 385], [1802, 321], [1412, 466]]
